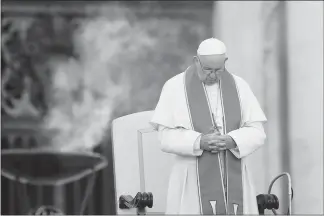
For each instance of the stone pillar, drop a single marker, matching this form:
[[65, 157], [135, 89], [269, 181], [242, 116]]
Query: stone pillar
[[277, 47], [250, 31], [305, 51]]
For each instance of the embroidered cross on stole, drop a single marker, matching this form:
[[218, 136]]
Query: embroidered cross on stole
[[220, 192]]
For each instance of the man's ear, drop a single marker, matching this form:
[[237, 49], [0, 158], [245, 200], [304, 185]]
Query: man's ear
[[226, 58], [195, 59]]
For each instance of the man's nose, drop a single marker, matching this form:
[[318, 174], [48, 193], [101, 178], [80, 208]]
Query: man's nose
[[212, 74]]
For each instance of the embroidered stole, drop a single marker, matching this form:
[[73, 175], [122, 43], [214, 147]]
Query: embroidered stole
[[220, 174]]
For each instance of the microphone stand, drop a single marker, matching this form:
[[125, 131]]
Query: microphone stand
[[290, 192]]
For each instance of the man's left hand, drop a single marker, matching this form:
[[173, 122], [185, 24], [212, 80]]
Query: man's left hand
[[228, 140]]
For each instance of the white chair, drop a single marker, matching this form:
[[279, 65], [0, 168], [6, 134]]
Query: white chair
[[139, 164]]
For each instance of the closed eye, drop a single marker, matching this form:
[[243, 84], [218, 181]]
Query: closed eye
[[208, 69]]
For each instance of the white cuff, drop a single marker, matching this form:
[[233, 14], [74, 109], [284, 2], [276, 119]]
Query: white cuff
[[197, 151], [236, 150]]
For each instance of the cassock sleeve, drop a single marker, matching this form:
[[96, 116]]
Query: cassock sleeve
[[173, 139], [179, 141], [251, 135], [248, 139], [163, 113]]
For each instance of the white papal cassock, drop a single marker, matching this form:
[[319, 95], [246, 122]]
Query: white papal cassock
[[171, 119]]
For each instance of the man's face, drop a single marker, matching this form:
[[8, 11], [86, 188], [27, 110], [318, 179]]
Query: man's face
[[209, 68]]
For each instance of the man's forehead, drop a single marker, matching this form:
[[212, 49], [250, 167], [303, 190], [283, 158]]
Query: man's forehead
[[212, 61]]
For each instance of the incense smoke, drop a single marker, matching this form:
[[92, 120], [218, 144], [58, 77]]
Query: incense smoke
[[86, 90]]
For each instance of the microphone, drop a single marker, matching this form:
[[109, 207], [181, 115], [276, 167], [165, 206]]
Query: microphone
[[271, 201]]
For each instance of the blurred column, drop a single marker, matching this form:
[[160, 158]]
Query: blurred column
[[305, 51], [250, 31]]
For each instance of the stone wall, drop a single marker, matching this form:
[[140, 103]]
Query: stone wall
[[277, 47], [305, 51]]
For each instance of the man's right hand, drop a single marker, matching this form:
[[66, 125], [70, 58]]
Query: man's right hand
[[212, 143]]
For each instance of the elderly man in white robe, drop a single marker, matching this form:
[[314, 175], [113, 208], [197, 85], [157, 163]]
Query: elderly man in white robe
[[211, 121]]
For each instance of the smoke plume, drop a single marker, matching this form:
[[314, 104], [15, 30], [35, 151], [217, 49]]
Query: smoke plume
[[87, 89]]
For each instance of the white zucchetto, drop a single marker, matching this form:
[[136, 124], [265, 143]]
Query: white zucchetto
[[211, 46]]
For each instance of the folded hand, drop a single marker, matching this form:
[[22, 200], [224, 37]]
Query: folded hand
[[214, 142]]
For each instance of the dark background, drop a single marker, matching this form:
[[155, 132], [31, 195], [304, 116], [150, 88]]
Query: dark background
[[26, 48]]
